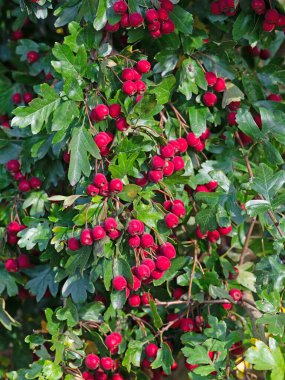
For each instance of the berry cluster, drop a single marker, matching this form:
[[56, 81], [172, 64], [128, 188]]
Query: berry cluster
[[213, 236], [226, 7], [22, 262], [257, 52], [25, 185], [177, 210], [133, 85], [218, 84], [272, 18], [102, 187], [197, 143], [104, 140], [17, 98]]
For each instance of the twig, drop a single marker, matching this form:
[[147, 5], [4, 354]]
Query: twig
[[246, 243]]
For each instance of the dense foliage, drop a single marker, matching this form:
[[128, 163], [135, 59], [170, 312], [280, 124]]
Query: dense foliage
[[142, 189]]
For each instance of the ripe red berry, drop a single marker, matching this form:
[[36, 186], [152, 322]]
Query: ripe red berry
[[168, 170], [110, 224], [174, 317], [233, 275], [117, 376], [178, 293], [121, 124], [129, 88], [13, 166], [17, 98], [167, 27], [114, 234], [100, 180], [134, 300], [271, 16], [115, 110], [225, 230], [106, 363], [141, 181], [12, 239], [268, 27], [157, 163], [23, 261], [24, 186], [150, 263], [186, 324], [92, 190], [213, 236], [163, 14], [234, 106], [182, 144], [32, 56], [178, 209], [86, 237], [190, 367], [92, 361], [167, 151], [171, 220], [157, 274], [66, 157], [13, 228], [192, 140], [212, 185], [125, 21], [264, 54], [154, 30], [162, 263], [135, 227], [100, 112], [227, 306], [167, 5], [151, 350], [112, 28], [202, 189], [134, 241], [211, 78], [73, 244], [178, 163], [120, 7], [11, 265], [128, 74], [209, 99], [136, 284], [141, 86], [142, 272], [147, 241], [151, 15], [199, 233], [35, 183], [275, 97], [113, 340], [17, 35], [143, 66], [145, 298], [28, 97], [155, 176], [236, 294], [281, 21], [220, 85], [119, 283], [116, 186], [98, 233], [167, 250], [232, 118], [258, 6], [136, 19]]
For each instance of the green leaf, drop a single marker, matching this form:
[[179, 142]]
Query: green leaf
[[68, 313], [231, 94], [8, 283], [156, 318], [39, 234], [38, 111], [164, 89], [242, 25], [163, 359], [51, 370], [101, 16], [216, 292], [275, 323], [182, 19], [123, 165], [129, 193], [77, 287], [37, 201], [206, 218], [191, 77], [73, 90], [133, 354], [266, 182], [257, 207], [122, 268], [246, 278], [197, 355], [81, 144], [5, 318], [198, 119], [92, 312], [247, 124], [118, 299], [69, 65], [43, 279]]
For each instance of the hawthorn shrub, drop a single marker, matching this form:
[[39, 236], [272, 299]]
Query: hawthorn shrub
[[142, 189]]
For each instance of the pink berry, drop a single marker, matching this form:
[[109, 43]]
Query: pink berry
[[116, 186], [120, 7], [267, 26], [151, 15], [212, 185], [17, 98], [150, 263], [35, 183], [106, 363], [167, 27], [98, 233], [171, 220], [141, 86], [125, 21], [157, 163], [115, 110], [178, 163], [215, 8], [211, 78], [232, 118], [28, 97], [151, 350], [92, 190], [167, 151], [167, 250], [202, 189], [13, 228], [129, 88], [225, 230], [142, 272], [86, 237], [192, 140], [73, 244], [187, 324], [92, 361], [13, 166], [163, 14], [271, 16], [119, 283], [167, 5], [23, 261], [168, 170], [155, 176], [110, 224], [128, 75], [275, 97], [213, 236], [147, 241], [220, 85], [100, 112], [134, 241], [24, 186], [209, 99], [236, 294], [143, 66], [136, 19], [100, 180], [178, 210], [162, 263], [32, 56], [11, 265], [134, 300], [258, 6], [135, 227]]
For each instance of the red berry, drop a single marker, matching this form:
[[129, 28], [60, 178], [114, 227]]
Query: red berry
[[121, 124], [209, 99], [151, 15], [87, 375], [178, 209], [129, 88], [135, 227], [213, 236], [202, 189], [119, 283], [100, 112], [110, 224], [234, 275], [171, 220], [136, 19], [182, 144], [227, 306], [157, 163], [92, 361], [178, 293], [150, 263], [205, 135], [17, 98], [271, 16], [86, 237], [24, 186], [168, 170], [258, 6], [28, 97], [167, 250], [174, 317], [17, 176], [268, 27], [236, 294], [162, 263], [141, 87], [178, 163], [120, 7], [117, 376], [281, 21], [73, 244], [32, 56], [13, 228], [275, 97], [232, 118], [212, 185], [125, 21], [100, 180], [215, 8], [98, 233], [17, 35], [167, 151], [115, 110], [264, 54], [134, 300], [192, 140], [191, 367], [151, 350], [199, 233], [13, 166], [167, 5], [11, 265], [157, 274], [113, 340], [147, 241], [220, 85], [106, 363], [211, 78], [141, 181], [66, 157], [167, 27], [116, 186], [186, 324], [134, 241], [112, 28], [114, 234], [35, 183], [12, 239], [136, 284], [155, 175], [234, 106], [225, 230], [143, 66], [142, 272], [23, 261], [128, 75], [163, 14], [156, 33], [145, 298], [92, 190]]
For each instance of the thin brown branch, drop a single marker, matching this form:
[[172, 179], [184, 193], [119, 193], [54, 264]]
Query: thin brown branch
[[247, 239]]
